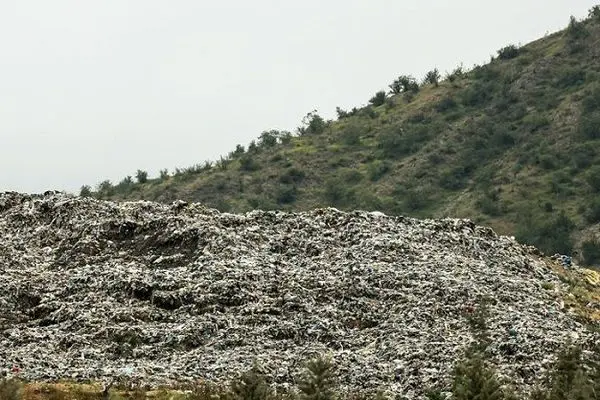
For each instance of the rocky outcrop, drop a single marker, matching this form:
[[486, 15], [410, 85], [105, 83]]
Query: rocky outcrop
[[169, 293]]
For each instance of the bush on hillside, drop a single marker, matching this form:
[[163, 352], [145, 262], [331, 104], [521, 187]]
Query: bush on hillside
[[477, 94], [446, 104], [456, 178], [397, 141], [456, 74], [287, 194], [105, 189], [570, 77], [377, 169], [85, 191], [508, 52], [292, 175], [590, 250], [337, 193], [268, 139], [351, 134], [576, 30], [594, 13], [404, 84], [589, 125], [141, 176], [248, 163], [592, 178], [433, 77], [317, 381], [312, 124], [341, 113], [378, 99], [251, 385], [551, 235], [591, 101], [164, 174], [592, 214], [125, 185]]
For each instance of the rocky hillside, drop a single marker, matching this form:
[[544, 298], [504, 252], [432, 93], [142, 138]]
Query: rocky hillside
[[512, 144], [92, 289]]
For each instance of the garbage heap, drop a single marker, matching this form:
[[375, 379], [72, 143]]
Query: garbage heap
[[172, 293]]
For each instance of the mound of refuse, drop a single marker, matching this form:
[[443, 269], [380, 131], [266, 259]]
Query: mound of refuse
[[171, 293]]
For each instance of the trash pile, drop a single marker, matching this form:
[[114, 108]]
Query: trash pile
[[171, 293]]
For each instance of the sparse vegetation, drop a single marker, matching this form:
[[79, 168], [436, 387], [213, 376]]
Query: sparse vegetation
[[527, 123], [433, 77], [378, 99]]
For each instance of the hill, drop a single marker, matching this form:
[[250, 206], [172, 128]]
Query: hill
[[513, 144], [166, 294]]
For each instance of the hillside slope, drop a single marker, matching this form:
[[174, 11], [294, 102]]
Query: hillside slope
[[513, 144], [172, 293]]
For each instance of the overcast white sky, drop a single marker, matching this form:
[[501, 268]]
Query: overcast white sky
[[93, 90]]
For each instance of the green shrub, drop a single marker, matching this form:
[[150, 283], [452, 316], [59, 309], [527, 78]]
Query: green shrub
[[456, 74], [141, 176], [489, 204], [592, 214], [589, 125], [337, 193], [248, 163], [105, 189], [125, 186], [400, 140], [594, 13], [576, 30], [312, 123], [456, 178], [404, 84], [378, 99], [433, 77], [582, 156], [239, 150], [164, 174], [368, 112], [536, 121], [285, 138], [592, 178], [508, 52], [268, 139], [287, 194], [292, 175], [447, 103], [476, 94], [570, 77], [547, 162], [351, 134], [318, 381], [85, 191], [550, 235], [251, 385], [377, 169], [569, 378], [590, 250], [414, 200], [591, 101]]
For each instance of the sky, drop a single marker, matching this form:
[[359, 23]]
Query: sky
[[96, 90]]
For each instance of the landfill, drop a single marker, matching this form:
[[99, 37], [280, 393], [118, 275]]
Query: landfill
[[174, 293]]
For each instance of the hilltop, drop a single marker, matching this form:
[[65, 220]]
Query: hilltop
[[513, 144], [167, 294]]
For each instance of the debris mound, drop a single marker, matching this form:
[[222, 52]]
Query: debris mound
[[171, 293]]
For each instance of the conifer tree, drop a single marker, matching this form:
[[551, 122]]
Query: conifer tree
[[317, 382]]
